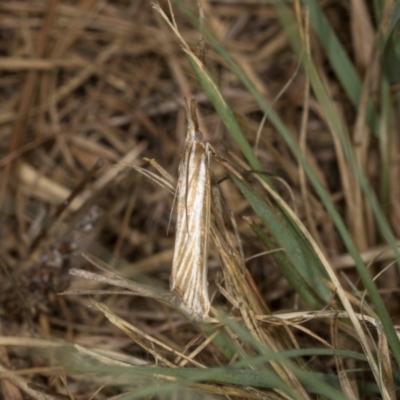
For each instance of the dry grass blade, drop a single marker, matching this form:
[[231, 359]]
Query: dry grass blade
[[347, 384], [134, 288]]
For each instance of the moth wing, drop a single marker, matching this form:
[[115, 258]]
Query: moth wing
[[189, 267]]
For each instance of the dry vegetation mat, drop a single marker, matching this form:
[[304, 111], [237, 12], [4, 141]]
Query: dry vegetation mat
[[199, 199]]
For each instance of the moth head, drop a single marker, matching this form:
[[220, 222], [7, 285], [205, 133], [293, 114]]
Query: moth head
[[191, 115]]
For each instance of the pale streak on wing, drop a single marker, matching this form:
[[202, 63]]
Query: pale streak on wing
[[189, 267]]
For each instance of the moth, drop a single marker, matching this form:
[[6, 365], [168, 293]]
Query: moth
[[193, 197]]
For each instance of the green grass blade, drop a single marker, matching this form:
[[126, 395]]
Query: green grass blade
[[391, 51], [301, 270], [306, 292], [335, 52], [237, 373], [225, 113], [339, 60]]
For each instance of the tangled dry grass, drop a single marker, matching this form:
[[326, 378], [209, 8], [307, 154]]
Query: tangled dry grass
[[91, 99]]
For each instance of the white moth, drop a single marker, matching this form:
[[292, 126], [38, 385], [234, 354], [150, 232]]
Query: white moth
[[189, 266]]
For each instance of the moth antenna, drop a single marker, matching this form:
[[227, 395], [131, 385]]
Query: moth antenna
[[172, 208]]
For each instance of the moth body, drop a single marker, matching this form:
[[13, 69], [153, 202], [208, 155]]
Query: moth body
[[189, 266]]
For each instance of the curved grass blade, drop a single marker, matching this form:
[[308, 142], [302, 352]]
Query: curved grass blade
[[300, 270], [290, 272]]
